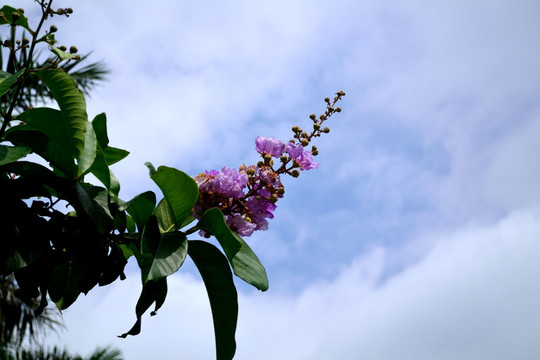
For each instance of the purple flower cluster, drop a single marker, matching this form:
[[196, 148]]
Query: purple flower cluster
[[247, 197], [246, 200], [276, 148]]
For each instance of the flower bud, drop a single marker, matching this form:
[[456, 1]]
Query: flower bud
[[340, 93], [272, 198], [326, 130], [15, 16], [260, 164], [62, 48], [312, 116], [314, 152], [69, 10], [327, 100], [296, 129], [20, 10], [338, 109], [304, 134], [73, 49], [281, 190], [295, 173], [283, 158], [304, 142], [60, 11], [292, 141], [250, 172], [316, 126], [53, 29]]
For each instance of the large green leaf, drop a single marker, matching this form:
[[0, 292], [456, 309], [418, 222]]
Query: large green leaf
[[165, 216], [243, 260], [8, 14], [140, 208], [111, 154], [71, 102], [63, 285], [180, 190], [7, 79], [152, 292], [57, 153], [219, 284], [88, 156], [163, 254], [93, 201], [12, 153]]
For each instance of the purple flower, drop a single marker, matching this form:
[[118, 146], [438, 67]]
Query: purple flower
[[302, 157], [239, 224], [230, 183], [269, 146]]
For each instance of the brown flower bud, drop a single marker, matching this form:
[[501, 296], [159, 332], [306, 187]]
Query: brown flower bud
[[53, 29], [295, 173], [62, 48], [312, 116], [304, 142], [73, 49], [326, 130]]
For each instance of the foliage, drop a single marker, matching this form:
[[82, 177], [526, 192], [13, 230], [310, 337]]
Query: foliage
[[58, 255]]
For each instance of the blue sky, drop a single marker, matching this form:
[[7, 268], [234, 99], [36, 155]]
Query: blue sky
[[417, 236]]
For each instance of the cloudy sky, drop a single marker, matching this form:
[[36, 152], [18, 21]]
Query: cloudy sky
[[417, 237]]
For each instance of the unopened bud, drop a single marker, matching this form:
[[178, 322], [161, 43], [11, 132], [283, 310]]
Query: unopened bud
[[304, 142], [25, 41], [250, 172], [327, 100], [296, 129], [326, 130], [316, 126], [292, 141], [15, 16], [338, 109], [20, 10], [340, 93], [304, 134], [69, 10], [312, 116], [53, 29], [260, 164], [73, 49], [314, 152], [272, 198], [62, 47], [60, 11], [281, 190], [283, 158], [330, 108], [295, 173]]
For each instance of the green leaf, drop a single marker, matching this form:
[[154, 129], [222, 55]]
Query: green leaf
[[222, 294], [12, 153], [243, 260], [93, 201], [163, 254], [71, 102], [7, 79], [165, 216], [8, 13], [113, 155], [62, 54], [88, 155], [57, 153], [180, 190], [152, 292], [140, 208], [63, 285]]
